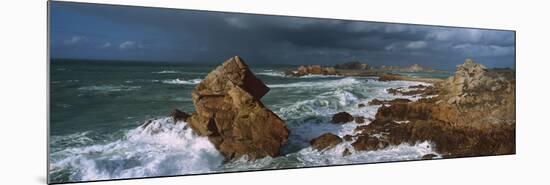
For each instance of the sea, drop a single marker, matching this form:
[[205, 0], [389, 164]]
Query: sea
[[97, 109]]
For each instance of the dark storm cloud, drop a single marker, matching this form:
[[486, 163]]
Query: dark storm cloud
[[133, 33]]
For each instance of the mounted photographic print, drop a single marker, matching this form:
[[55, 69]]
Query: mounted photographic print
[[140, 92]]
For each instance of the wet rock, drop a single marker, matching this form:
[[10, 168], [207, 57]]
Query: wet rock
[[368, 143], [229, 112], [348, 138], [380, 102], [361, 105], [428, 156], [346, 152], [420, 86], [178, 115], [359, 119], [342, 117], [325, 141]]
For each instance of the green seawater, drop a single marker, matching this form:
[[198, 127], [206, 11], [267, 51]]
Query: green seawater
[[97, 107]]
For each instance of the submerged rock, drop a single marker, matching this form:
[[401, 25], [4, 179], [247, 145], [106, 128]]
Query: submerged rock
[[325, 141], [229, 112], [346, 152], [359, 119], [342, 117], [428, 156]]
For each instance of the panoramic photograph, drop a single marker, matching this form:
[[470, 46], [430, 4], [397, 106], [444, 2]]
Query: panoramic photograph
[[138, 92]]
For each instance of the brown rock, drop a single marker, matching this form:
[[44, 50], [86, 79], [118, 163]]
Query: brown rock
[[342, 117], [380, 102], [361, 105], [230, 114], [178, 115], [348, 138], [327, 140], [365, 142], [389, 77]]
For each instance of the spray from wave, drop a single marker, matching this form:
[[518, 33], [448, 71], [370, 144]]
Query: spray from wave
[[161, 148], [167, 148]]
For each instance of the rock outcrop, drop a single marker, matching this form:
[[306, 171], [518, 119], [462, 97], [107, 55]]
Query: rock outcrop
[[369, 143], [311, 70], [229, 112], [342, 117], [381, 102], [472, 114], [325, 141]]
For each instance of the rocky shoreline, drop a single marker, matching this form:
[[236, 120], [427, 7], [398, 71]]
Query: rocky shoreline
[[357, 69], [470, 114]]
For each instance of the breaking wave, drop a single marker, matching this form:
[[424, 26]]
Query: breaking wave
[[161, 148], [330, 83], [184, 82]]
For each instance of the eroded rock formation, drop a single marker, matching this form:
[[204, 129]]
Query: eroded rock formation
[[229, 112], [473, 113]]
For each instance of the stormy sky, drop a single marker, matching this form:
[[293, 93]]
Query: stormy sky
[[105, 32]]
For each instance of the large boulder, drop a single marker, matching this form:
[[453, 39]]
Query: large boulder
[[342, 117], [325, 141], [229, 112]]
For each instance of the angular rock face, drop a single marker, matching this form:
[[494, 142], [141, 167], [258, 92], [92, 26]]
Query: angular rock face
[[472, 114], [229, 112]]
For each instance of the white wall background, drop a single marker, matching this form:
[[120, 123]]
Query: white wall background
[[23, 91]]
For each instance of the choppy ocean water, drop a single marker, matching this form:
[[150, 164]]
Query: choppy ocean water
[[96, 109]]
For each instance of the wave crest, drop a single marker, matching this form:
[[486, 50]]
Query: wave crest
[[161, 148], [182, 81]]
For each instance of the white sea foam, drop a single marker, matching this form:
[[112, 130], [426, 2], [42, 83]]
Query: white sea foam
[[328, 83], [165, 148], [182, 81], [312, 157], [271, 73], [109, 88], [320, 76], [162, 148]]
